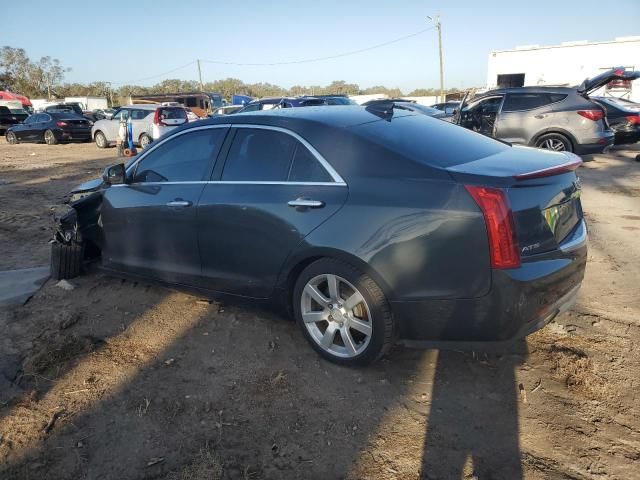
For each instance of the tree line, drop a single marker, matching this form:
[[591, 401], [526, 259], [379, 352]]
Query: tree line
[[45, 78]]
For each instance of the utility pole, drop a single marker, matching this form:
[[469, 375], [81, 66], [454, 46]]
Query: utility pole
[[436, 20], [200, 76]]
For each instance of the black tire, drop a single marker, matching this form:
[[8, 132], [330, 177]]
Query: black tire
[[145, 140], [50, 138], [66, 260], [382, 335], [548, 139], [11, 138], [102, 141]]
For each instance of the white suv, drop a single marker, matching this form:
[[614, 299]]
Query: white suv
[[149, 122]]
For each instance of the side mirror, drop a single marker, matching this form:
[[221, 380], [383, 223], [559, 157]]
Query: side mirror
[[114, 174]]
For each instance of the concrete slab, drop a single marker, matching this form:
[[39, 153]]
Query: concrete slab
[[16, 286]]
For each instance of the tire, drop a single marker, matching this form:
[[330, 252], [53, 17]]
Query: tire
[[554, 141], [11, 138], [50, 138], [66, 260], [101, 140], [336, 331], [145, 140]]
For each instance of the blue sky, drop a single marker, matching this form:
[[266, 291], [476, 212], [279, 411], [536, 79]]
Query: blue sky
[[121, 41]]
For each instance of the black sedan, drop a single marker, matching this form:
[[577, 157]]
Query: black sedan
[[623, 117], [10, 117], [51, 128], [369, 228]]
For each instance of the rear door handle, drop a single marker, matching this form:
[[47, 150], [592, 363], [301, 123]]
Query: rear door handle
[[305, 202], [179, 203]]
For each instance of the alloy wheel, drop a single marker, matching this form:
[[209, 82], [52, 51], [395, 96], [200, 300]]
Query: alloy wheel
[[48, 137], [553, 144], [145, 141], [11, 138], [101, 141], [336, 315]]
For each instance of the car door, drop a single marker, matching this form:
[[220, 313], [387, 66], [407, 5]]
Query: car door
[[22, 131], [149, 222], [274, 189], [481, 115], [110, 127], [523, 114], [140, 122]]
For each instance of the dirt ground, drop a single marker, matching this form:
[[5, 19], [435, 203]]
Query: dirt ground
[[123, 380]]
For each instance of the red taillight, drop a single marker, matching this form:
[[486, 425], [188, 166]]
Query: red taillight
[[60, 123], [548, 172], [503, 245], [156, 118], [634, 119], [594, 115]]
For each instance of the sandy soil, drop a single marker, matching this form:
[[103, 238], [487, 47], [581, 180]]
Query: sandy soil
[[119, 380]]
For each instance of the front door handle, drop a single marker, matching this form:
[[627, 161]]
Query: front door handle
[[179, 203], [539, 116], [306, 203]]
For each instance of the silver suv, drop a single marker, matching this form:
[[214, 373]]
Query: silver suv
[[556, 118], [149, 122]]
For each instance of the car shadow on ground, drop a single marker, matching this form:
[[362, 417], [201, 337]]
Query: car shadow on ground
[[178, 385]]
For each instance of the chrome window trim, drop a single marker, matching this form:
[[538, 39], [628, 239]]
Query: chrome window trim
[[337, 179], [229, 182]]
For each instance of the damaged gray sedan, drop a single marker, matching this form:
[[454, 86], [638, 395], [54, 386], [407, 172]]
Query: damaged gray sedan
[[370, 226]]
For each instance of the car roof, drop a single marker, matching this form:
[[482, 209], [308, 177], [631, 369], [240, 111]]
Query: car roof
[[335, 116], [145, 106], [533, 89]]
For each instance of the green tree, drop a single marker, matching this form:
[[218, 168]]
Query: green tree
[[21, 75]]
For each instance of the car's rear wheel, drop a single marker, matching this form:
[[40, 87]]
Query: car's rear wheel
[[101, 140], [11, 138], [343, 313], [145, 140], [554, 141], [50, 138]]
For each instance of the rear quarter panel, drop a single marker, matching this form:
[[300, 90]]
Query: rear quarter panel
[[421, 238]]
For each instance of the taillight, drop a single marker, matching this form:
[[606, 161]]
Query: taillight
[[594, 115], [156, 118], [503, 245], [60, 123], [634, 119]]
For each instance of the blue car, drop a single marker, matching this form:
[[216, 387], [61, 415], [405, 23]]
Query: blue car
[[282, 102]]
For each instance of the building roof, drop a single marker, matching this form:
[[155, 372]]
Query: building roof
[[570, 44]]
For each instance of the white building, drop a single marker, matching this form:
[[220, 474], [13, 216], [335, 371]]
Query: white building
[[566, 64]]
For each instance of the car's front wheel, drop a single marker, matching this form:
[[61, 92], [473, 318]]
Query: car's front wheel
[[554, 141], [343, 313], [11, 138]]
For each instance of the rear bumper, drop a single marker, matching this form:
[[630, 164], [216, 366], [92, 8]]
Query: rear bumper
[[70, 135], [595, 145], [521, 301]]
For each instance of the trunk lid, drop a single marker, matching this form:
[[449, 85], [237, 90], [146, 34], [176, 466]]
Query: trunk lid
[[619, 73], [542, 189]]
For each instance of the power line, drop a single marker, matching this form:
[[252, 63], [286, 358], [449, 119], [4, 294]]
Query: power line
[[319, 59], [156, 76], [290, 62]]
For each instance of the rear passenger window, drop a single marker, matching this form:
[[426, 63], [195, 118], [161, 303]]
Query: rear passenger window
[[525, 101], [259, 155], [139, 114], [306, 167], [183, 158]]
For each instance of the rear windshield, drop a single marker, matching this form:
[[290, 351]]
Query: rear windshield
[[172, 113], [312, 103], [430, 141]]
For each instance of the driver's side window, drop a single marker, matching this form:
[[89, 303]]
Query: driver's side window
[[486, 106], [183, 158]]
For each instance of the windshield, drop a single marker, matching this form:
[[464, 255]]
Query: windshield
[[340, 101], [422, 108], [18, 111]]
